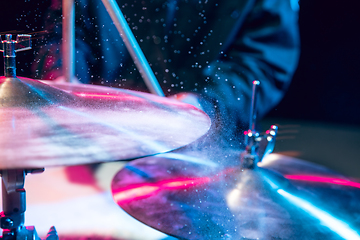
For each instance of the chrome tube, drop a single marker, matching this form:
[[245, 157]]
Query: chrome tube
[[68, 40]]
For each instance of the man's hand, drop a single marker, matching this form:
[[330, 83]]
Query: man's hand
[[189, 98], [62, 79]]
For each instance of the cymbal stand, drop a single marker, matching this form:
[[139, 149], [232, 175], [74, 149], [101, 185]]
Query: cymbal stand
[[256, 146], [12, 217]]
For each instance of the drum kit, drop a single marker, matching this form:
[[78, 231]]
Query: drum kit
[[252, 195]]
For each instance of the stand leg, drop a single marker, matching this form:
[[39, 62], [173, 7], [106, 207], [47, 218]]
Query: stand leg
[[14, 200], [14, 206]]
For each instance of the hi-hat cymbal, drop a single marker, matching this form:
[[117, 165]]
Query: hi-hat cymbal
[[69, 124], [285, 198]]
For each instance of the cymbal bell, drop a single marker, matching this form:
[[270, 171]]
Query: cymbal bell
[[191, 200], [69, 124]]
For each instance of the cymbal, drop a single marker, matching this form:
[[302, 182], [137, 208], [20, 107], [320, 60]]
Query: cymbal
[[69, 124], [284, 198]]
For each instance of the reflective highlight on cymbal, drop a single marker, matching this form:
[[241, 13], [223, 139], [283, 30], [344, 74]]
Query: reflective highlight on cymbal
[[192, 201], [326, 219], [68, 124]]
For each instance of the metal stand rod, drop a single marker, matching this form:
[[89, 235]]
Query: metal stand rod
[[253, 108], [133, 47], [256, 146], [9, 47], [9, 56], [252, 120], [68, 42]]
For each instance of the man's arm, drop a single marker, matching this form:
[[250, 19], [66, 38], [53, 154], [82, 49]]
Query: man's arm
[[266, 48]]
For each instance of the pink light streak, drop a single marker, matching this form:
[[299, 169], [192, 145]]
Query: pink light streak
[[331, 180], [105, 95], [140, 191], [144, 190]]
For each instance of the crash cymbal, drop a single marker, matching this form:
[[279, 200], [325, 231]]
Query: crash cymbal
[[69, 124], [285, 198]]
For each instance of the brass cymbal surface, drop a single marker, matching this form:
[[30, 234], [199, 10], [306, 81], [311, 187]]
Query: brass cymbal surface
[[57, 124], [284, 198]]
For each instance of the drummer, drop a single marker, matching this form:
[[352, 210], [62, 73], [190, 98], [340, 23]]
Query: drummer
[[205, 52]]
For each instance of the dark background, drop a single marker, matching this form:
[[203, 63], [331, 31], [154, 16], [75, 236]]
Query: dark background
[[321, 109], [326, 84]]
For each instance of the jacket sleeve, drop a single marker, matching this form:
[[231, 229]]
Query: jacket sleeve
[[266, 48]]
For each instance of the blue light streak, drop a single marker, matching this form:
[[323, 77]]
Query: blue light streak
[[186, 158], [334, 224], [13, 120]]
